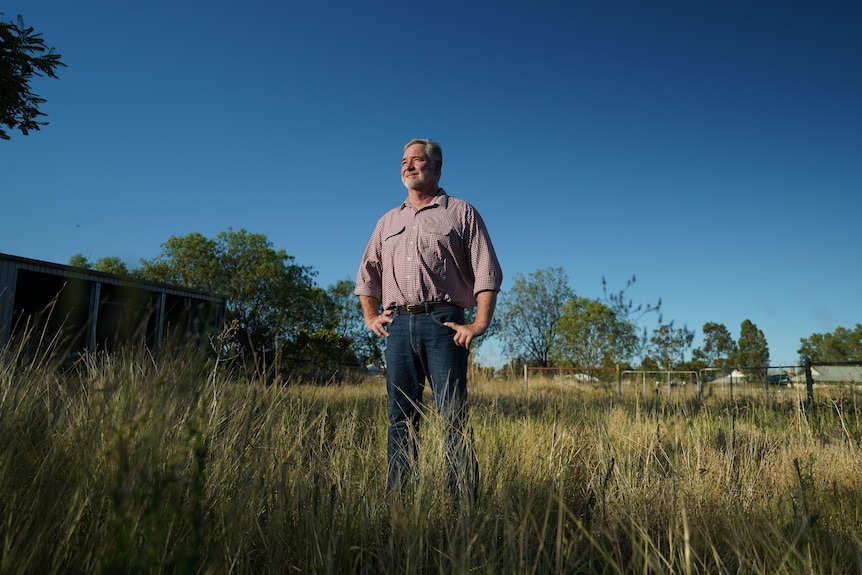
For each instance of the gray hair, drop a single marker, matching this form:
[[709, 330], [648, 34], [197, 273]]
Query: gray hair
[[432, 148]]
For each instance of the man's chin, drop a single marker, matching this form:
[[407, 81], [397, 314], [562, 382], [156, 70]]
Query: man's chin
[[411, 182]]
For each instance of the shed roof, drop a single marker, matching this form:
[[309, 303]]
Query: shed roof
[[113, 279]]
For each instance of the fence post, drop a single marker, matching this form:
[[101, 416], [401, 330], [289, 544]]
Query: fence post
[[525, 379], [619, 381], [668, 384], [809, 381]]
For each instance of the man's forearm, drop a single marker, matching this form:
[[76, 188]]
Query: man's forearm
[[370, 307], [486, 302]]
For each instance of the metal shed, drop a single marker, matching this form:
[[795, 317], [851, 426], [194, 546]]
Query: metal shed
[[86, 310]]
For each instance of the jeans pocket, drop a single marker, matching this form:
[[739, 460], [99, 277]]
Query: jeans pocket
[[453, 314]]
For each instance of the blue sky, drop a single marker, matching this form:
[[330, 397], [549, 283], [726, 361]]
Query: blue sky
[[713, 150]]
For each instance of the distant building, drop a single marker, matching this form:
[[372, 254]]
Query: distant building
[[86, 310], [836, 373], [796, 375]]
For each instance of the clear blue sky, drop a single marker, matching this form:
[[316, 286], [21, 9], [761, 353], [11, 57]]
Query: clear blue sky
[[714, 150]]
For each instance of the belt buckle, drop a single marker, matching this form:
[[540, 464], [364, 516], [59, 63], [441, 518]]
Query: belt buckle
[[415, 308]]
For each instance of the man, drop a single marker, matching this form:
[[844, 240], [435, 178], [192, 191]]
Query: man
[[429, 259]]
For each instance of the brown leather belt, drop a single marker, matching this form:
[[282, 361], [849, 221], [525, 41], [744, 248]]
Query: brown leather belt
[[425, 307]]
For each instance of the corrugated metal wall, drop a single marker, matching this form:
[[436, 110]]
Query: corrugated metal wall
[[102, 309]]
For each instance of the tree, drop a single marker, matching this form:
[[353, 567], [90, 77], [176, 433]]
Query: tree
[[80, 261], [591, 334], [324, 351], [752, 354], [649, 364], [23, 55], [625, 309], [841, 345], [108, 265], [718, 349], [269, 296], [367, 347], [190, 261], [111, 265], [667, 345], [527, 314]]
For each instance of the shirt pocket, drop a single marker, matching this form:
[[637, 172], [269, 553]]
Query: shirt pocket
[[390, 234], [437, 237], [393, 244]]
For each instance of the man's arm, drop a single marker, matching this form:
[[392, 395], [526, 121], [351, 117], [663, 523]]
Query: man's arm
[[486, 302], [374, 320]]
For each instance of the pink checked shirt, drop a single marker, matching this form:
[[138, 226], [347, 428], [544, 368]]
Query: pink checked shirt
[[440, 253]]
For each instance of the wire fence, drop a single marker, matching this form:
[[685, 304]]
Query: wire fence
[[800, 382]]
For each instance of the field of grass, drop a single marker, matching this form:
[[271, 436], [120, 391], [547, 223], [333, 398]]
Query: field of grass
[[132, 465]]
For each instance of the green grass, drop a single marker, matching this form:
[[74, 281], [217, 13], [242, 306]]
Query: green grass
[[132, 465]]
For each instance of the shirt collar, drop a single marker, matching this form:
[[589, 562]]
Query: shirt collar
[[441, 200]]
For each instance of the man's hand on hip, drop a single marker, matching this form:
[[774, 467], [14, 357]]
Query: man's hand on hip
[[465, 334]]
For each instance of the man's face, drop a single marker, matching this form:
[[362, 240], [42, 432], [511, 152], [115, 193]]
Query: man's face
[[417, 171]]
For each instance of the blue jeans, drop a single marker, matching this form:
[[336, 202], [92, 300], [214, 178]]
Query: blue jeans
[[420, 348]]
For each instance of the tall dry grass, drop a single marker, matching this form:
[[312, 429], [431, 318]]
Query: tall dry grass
[[128, 464]]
